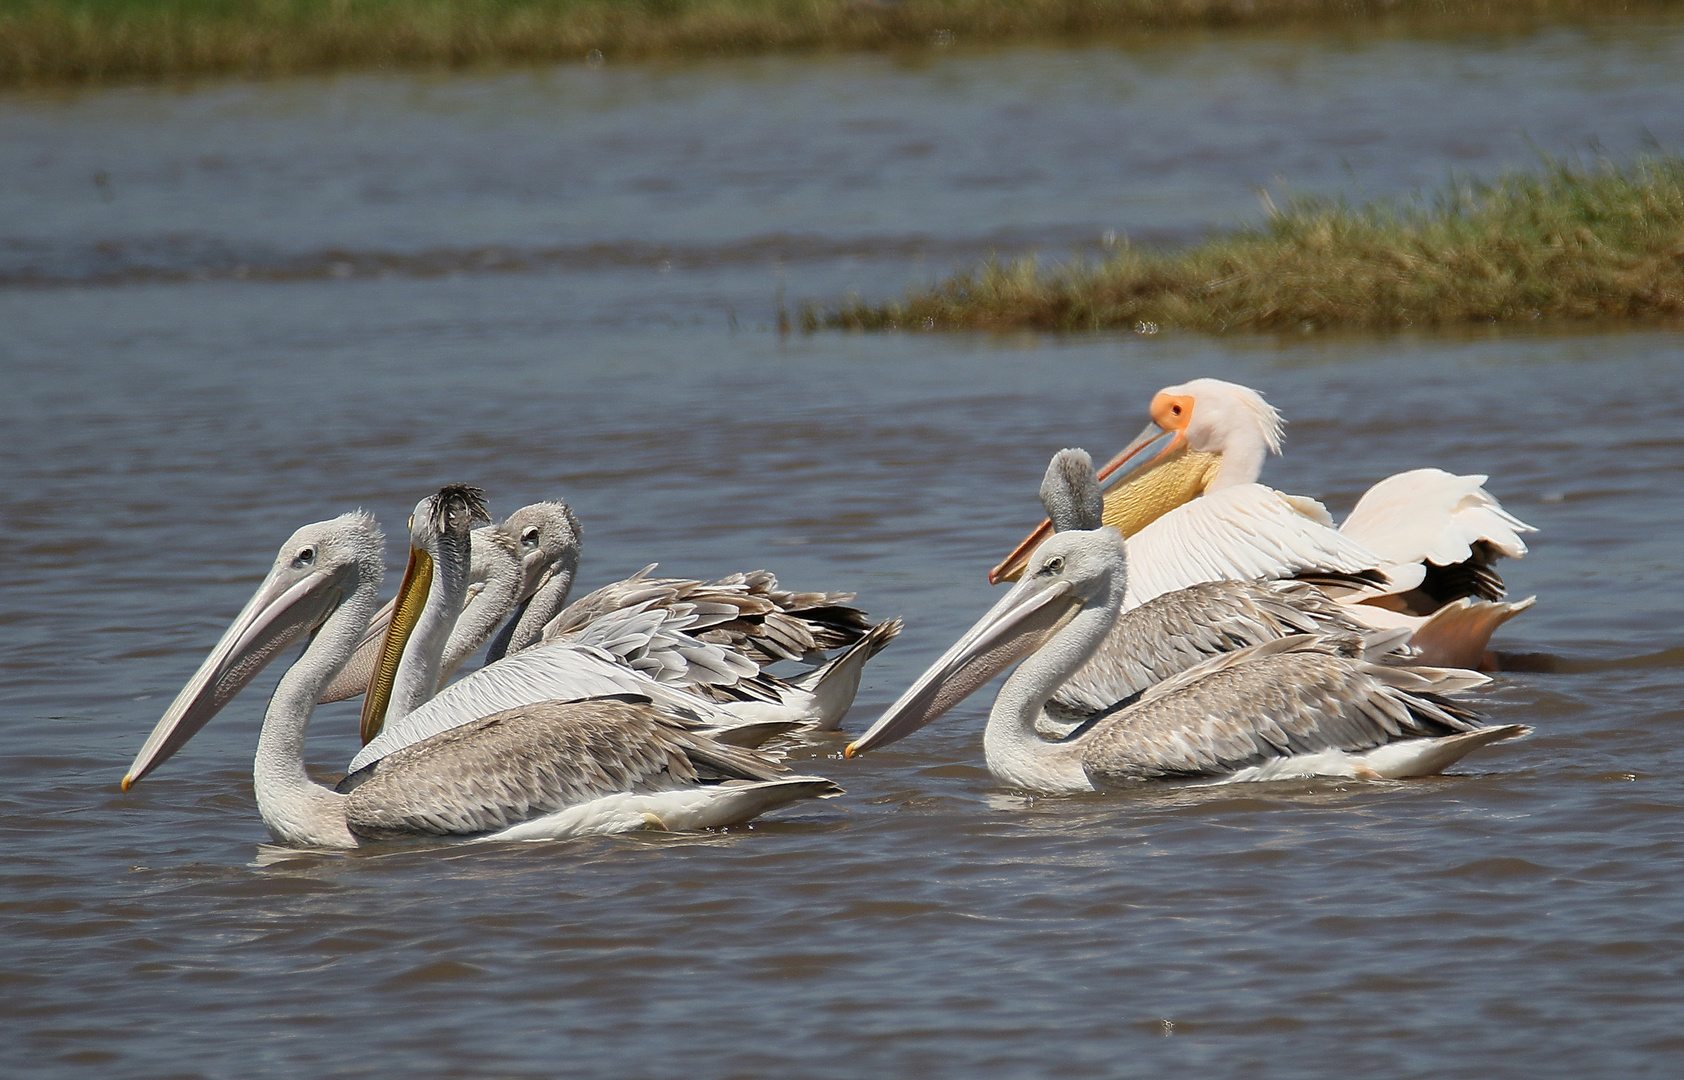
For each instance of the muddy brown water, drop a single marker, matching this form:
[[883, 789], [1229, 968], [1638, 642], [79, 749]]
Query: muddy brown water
[[230, 309]]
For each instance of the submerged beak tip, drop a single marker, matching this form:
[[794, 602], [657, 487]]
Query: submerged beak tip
[[852, 750]]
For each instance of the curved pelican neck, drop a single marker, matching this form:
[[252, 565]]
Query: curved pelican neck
[[499, 595], [1016, 753], [545, 605], [296, 809], [1242, 452], [422, 663]]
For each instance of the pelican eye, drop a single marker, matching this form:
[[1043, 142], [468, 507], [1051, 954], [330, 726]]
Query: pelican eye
[[1053, 565], [529, 536], [306, 555]]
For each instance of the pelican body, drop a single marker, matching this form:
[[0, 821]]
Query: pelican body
[[543, 770]]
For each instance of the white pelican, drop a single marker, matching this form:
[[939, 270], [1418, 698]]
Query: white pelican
[[546, 770], [645, 647], [1293, 707], [1194, 512]]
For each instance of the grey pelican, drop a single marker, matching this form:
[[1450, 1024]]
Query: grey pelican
[[544, 770], [1194, 511], [1295, 706], [1170, 633], [645, 647]]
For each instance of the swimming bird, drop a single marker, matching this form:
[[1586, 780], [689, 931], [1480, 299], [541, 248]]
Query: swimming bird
[[1194, 511], [1295, 706], [544, 770], [1174, 631]]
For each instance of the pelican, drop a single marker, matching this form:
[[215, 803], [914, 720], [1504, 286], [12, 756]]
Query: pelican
[[1288, 708], [1194, 511], [1173, 632], [542, 771], [645, 647]]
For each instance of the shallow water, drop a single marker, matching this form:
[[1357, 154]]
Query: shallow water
[[170, 420]]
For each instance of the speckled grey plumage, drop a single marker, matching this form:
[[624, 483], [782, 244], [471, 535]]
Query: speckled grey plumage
[[747, 613], [1173, 632], [1294, 696], [522, 763]]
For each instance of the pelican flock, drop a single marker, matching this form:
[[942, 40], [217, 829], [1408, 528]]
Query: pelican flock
[[548, 769], [1173, 619]]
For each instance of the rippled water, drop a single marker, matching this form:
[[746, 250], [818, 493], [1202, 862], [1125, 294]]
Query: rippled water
[[169, 420]]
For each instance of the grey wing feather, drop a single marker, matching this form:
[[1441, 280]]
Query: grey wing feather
[[526, 762], [747, 613], [1293, 696], [1173, 632]]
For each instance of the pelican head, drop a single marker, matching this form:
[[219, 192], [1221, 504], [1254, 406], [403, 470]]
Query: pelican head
[[1204, 435], [318, 570], [1071, 572], [547, 536], [438, 537]]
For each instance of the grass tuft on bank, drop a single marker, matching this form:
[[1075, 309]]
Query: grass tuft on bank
[[94, 41], [1571, 243]]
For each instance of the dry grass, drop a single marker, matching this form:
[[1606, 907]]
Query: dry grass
[[1573, 243], [59, 41]]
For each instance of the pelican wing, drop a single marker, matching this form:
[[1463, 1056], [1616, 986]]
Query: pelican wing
[[523, 763], [747, 613], [560, 670], [1433, 515], [1292, 697], [657, 641], [1448, 525], [1175, 631], [1239, 533]]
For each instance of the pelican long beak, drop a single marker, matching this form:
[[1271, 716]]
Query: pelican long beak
[[406, 612], [1175, 445], [284, 609], [1013, 628]]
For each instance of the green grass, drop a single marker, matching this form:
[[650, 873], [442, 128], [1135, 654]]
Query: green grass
[[1605, 242], [82, 41]]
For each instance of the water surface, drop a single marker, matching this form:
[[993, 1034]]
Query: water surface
[[170, 419]]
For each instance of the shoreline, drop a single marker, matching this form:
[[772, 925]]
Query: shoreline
[[103, 42], [1566, 244]]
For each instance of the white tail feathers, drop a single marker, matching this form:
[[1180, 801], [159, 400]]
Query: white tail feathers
[[1428, 757]]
